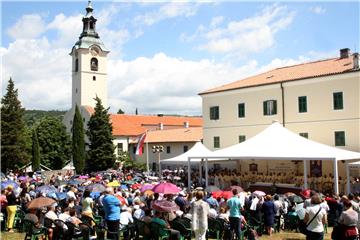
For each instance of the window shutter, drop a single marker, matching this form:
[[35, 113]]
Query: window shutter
[[265, 107]]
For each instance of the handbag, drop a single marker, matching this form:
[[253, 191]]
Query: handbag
[[303, 226]]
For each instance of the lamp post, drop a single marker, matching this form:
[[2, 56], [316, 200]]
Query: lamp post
[[158, 149]]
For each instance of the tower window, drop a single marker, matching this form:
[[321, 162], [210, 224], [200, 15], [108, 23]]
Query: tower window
[[76, 65], [216, 142], [94, 78], [269, 107], [94, 64], [214, 113], [338, 100], [76, 90]]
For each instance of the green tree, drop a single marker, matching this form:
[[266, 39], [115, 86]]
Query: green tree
[[101, 148], [35, 152], [120, 111], [78, 142], [13, 140], [54, 142]]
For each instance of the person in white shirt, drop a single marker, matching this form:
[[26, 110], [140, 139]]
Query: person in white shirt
[[125, 220], [315, 217], [138, 213], [71, 194]]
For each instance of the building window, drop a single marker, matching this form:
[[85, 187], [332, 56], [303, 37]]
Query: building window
[[76, 65], [214, 113], [120, 148], [242, 138], [217, 142], [340, 138], [302, 104], [338, 100], [241, 110], [75, 90], [304, 134], [269, 107], [186, 148], [168, 149], [134, 149], [94, 64], [94, 78]]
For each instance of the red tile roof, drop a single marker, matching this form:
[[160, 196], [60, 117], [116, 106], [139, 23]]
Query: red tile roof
[[191, 134], [133, 125], [291, 73]]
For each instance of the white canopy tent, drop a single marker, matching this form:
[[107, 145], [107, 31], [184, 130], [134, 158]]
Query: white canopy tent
[[196, 150], [278, 143]]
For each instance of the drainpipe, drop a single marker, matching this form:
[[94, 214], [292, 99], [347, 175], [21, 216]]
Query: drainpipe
[[282, 103]]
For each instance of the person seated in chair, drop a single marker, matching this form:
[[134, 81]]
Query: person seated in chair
[[159, 219]]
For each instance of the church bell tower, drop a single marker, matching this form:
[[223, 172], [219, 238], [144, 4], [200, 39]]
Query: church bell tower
[[89, 65]]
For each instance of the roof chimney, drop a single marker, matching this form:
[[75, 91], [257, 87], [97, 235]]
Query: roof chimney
[[344, 53], [186, 124], [161, 126], [356, 60]]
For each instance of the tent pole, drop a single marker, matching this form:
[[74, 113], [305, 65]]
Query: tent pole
[[206, 173], [305, 175], [347, 179], [336, 178], [189, 175], [200, 170]]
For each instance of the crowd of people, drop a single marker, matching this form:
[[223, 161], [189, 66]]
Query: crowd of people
[[124, 200]]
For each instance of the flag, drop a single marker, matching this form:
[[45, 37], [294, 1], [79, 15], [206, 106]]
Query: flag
[[140, 144]]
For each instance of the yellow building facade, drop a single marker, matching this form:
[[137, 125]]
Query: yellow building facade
[[318, 100]]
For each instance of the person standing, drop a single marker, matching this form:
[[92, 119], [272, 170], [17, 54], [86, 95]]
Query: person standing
[[112, 213], [269, 211], [12, 203], [234, 204], [199, 212], [318, 217]]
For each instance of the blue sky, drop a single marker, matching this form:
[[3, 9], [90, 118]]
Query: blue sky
[[164, 53]]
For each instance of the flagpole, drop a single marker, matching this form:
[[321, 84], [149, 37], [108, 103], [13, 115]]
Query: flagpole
[[147, 155]]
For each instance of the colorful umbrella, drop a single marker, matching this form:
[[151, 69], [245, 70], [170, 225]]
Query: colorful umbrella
[[227, 194], [22, 178], [288, 194], [96, 187], [305, 193], [121, 199], [217, 194], [166, 188], [146, 187], [113, 184], [83, 177], [9, 183], [40, 202], [148, 192], [165, 206], [259, 193], [60, 195], [45, 189], [73, 182], [136, 186], [124, 187]]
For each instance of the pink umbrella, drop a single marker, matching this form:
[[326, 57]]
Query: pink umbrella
[[259, 193], [166, 188], [83, 177], [165, 206], [146, 187]]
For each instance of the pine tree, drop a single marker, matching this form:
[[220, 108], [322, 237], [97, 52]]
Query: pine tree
[[78, 142], [35, 152], [13, 140], [101, 148]]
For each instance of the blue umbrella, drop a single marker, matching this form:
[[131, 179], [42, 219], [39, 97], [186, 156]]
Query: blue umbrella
[[94, 195], [45, 189], [60, 195], [9, 183], [96, 187], [3, 175], [123, 186], [51, 195], [73, 182]]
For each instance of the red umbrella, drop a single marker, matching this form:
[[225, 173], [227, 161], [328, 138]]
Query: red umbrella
[[227, 194], [305, 193], [217, 194], [166, 188], [165, 206], [121, 199], [136, 186]]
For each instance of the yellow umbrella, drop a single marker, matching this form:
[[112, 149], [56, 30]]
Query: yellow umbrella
[[113, 184]]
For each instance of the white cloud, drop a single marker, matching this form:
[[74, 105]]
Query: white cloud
[[216, 21], [166, 11], [318, 10], [27, 27], [250, 35]]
